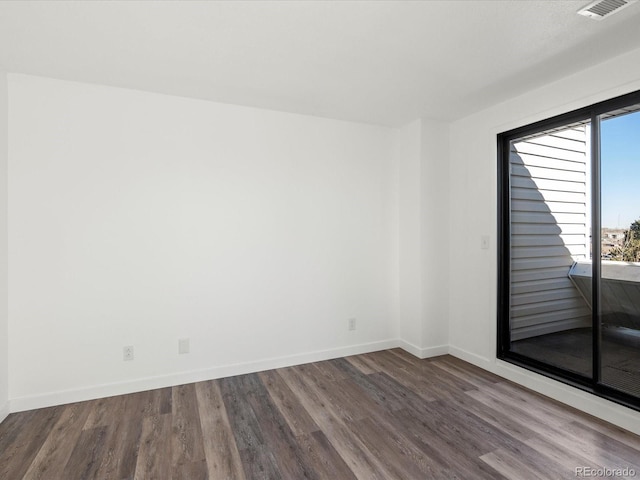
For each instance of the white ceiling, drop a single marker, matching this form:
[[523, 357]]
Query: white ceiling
[[381, 62]]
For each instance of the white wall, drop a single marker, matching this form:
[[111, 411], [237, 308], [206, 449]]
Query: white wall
[[473, 212], [138, 219], [421, 156], [4, 323], [435, 238], [408, 147]]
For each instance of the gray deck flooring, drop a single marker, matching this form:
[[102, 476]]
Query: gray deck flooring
[[572, 350]]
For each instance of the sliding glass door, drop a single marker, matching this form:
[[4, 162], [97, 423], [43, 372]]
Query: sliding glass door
[[619, 290], [569, 259], [550, 231]]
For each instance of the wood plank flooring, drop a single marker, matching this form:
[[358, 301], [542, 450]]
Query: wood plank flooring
[[383, 415]]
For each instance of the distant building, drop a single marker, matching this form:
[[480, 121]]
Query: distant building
[[610, 239]]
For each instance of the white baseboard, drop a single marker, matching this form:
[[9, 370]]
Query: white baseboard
[[611, 412], [604, 409], [472, 358], [423, 352], [616, 414], [20, 404], [4, 411]]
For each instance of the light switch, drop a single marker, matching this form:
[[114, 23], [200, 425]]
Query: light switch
[[484, 242]]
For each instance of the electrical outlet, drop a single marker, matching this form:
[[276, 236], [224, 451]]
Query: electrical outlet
[[183, 345], [352, 324], [127, 353]]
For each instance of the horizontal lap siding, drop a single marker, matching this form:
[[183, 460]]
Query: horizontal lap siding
[[548, 195], [555, 218], [544, 206], [547, 251], [533, 229], [546, 184], [549, 226], [524, 240]]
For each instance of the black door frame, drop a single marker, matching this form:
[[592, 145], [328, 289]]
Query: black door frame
[[592, 115]]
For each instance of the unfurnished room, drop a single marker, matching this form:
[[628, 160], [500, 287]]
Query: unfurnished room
[[319, 239]]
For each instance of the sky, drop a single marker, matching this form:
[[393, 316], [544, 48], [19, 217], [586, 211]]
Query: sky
[[620, 170]]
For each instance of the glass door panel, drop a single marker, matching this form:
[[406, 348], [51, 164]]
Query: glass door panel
[[550, 277], [619, 322]]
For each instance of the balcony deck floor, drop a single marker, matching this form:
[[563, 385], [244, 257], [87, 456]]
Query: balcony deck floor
[[572, 349]]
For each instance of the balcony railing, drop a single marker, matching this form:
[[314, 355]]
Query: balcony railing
[[619, 291]]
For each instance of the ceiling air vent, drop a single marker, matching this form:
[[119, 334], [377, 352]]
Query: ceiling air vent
[[604, 8]]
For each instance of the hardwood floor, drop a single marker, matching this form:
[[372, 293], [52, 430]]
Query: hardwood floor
[[384, 415]]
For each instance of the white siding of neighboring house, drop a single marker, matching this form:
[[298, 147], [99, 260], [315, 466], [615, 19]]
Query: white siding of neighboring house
[[549, 230]]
